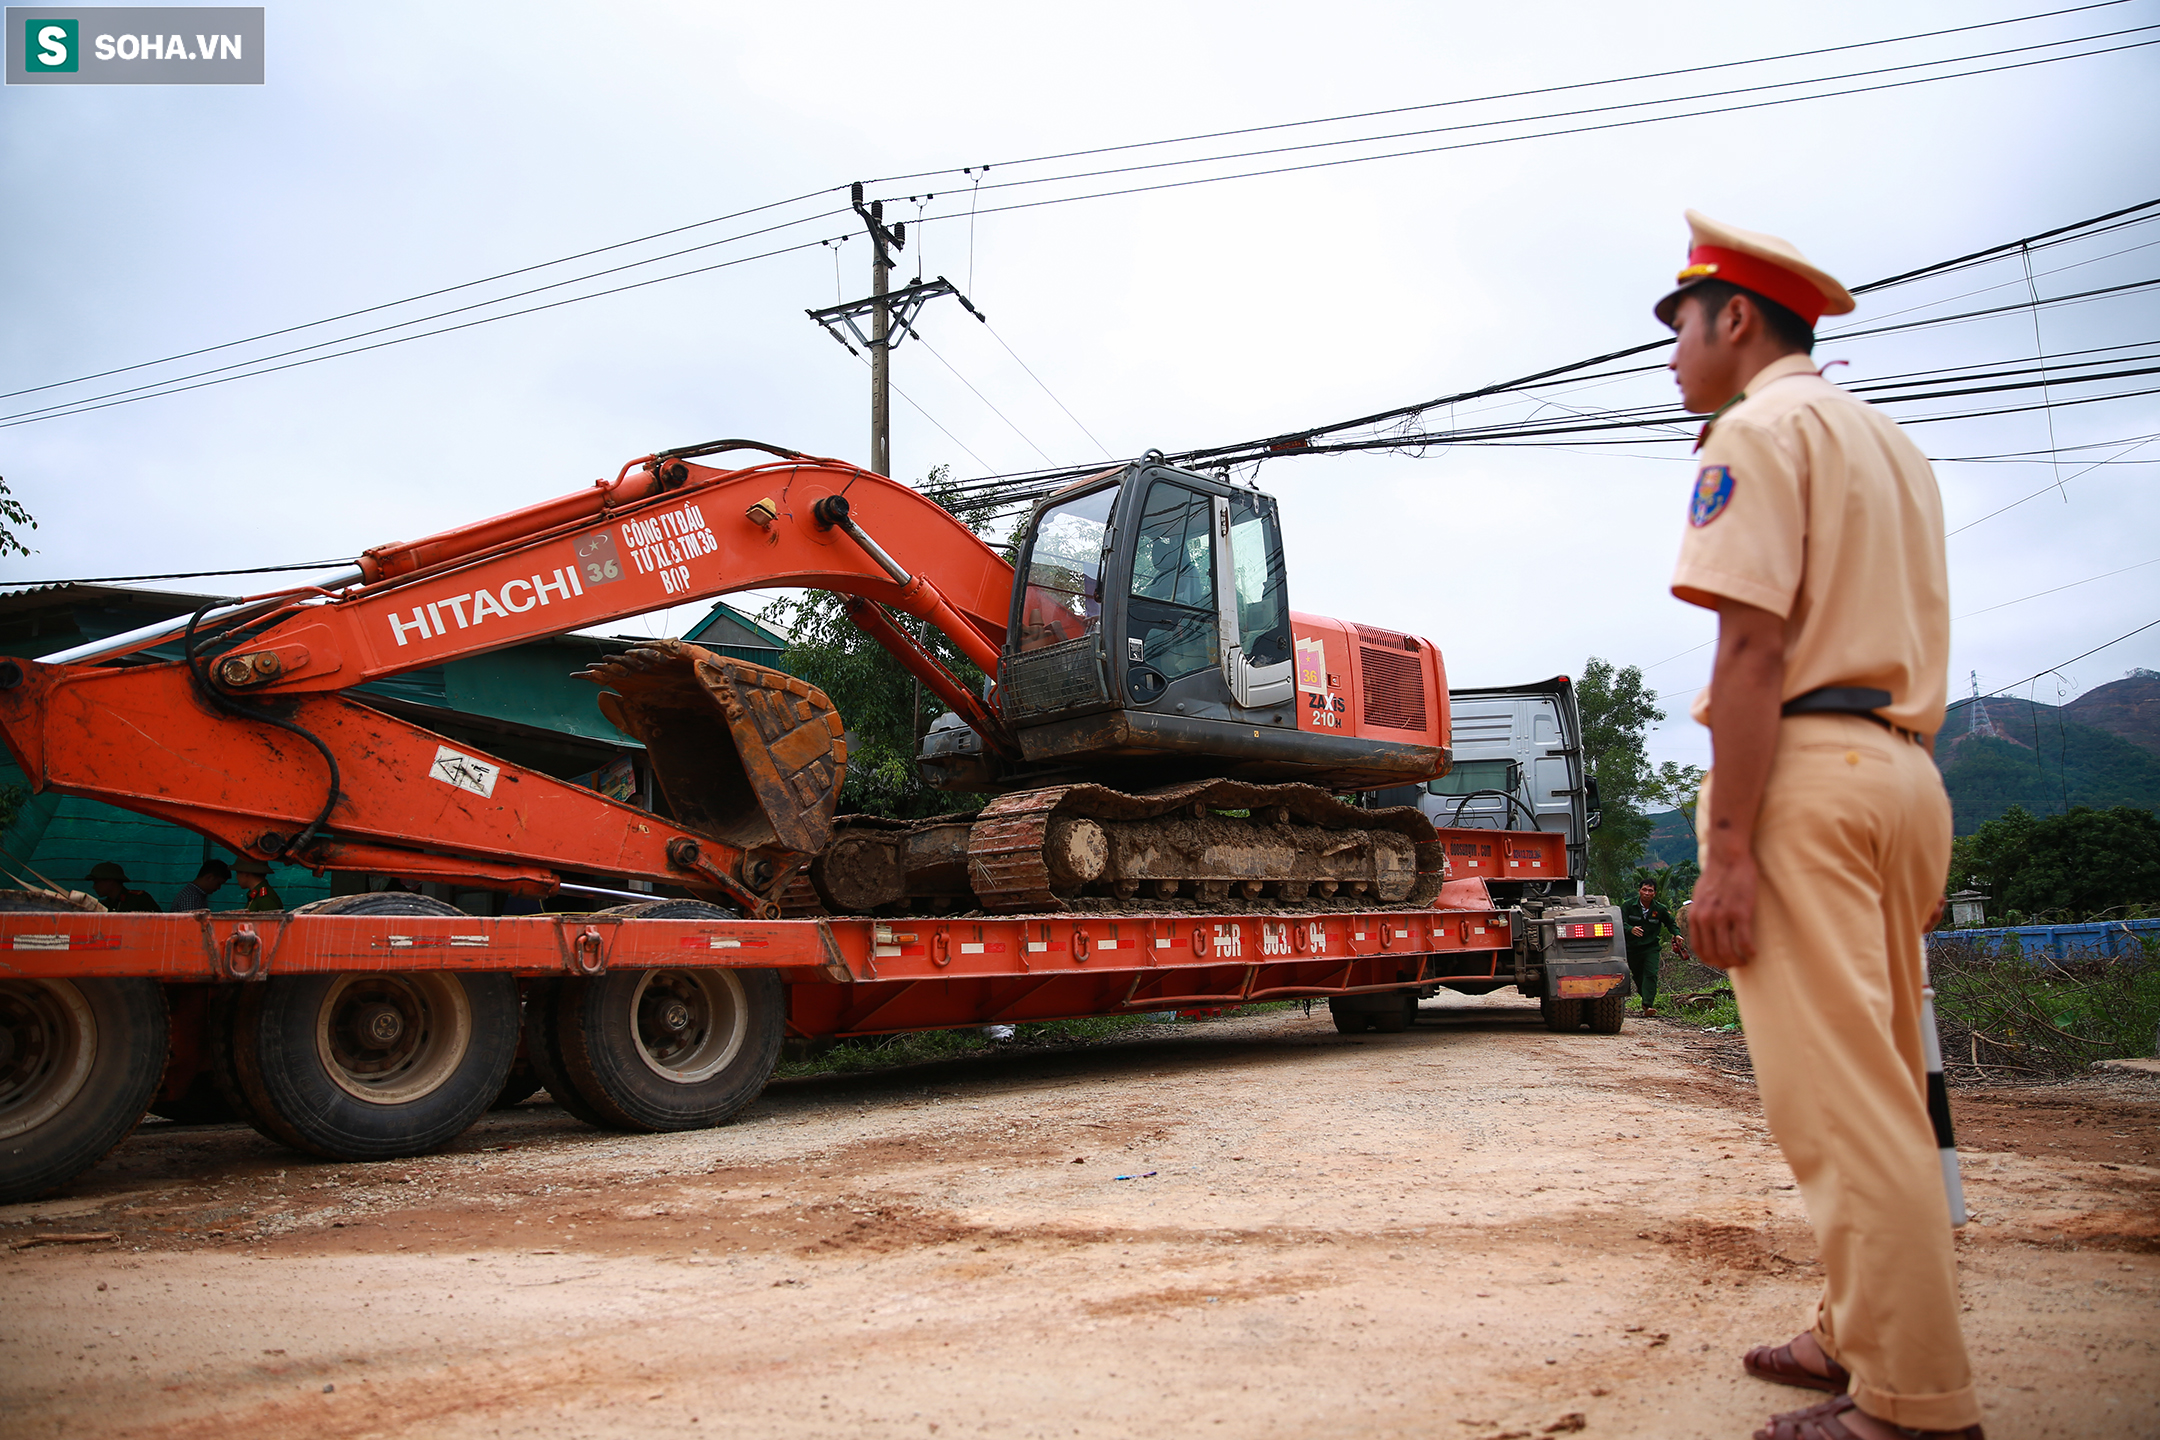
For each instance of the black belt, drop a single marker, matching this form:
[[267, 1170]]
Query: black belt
[[1846, 700]]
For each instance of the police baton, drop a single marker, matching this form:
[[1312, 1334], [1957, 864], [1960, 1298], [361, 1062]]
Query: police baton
[[1938, 1093], [1938, 1097]]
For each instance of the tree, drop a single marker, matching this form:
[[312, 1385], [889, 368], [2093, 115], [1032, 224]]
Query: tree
[[12, 514], [885, 708], [1617, 712], [2073, 866]]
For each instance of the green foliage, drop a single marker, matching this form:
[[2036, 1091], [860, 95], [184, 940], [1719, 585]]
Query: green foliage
[[2077, 866], [1617, 712], [2053, 764], [1674, 883], [885, 709], [12, 514]]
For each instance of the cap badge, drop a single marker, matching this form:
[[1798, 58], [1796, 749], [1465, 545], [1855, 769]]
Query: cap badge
[[1695, 272], [1713, 492]]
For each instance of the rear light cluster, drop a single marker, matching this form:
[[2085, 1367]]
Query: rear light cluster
[[1594, 930]]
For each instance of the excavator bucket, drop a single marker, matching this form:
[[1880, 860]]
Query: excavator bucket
[[744, 754]]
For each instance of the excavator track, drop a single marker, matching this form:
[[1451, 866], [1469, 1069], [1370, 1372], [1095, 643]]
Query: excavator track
[[1088, 847], [1007, 866]]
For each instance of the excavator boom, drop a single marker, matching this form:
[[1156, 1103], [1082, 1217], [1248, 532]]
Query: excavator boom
[[257, 747]]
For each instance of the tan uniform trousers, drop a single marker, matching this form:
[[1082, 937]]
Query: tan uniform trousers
[[1853, 843]]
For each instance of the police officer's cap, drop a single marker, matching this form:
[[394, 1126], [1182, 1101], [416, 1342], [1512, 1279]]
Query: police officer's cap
[[1772, 268]]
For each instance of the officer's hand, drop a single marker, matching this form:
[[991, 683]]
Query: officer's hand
[[1637, 930], [1722, 923]]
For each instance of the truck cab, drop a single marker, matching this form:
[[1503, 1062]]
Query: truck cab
[[1518, 765]]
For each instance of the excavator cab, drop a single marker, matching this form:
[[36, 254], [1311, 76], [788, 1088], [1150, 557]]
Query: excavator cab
[[1152, 641]]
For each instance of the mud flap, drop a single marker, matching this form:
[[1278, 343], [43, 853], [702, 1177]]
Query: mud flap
[[744, 753]]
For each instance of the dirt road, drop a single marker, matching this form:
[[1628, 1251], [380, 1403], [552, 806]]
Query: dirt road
[[1251, 1227]]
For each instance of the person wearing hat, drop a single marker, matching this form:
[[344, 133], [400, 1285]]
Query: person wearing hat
[[1815, 531], [255, 875], [110, 883], [195, 895]]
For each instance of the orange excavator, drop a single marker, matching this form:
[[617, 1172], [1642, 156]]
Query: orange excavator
[[1156, 724]]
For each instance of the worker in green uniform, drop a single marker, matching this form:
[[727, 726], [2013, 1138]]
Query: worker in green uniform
[[255, 875], [110, 883], [1642, 918]]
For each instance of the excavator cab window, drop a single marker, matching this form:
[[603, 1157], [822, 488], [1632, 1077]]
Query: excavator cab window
[[1171, 619], [1263, 604], [1064, 570]]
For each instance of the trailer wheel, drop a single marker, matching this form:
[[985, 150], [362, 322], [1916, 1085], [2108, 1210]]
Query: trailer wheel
[[1397, 1020], [80, 1062], [374, 1065], [521, 1084], [220, 1023], [670, 1049], [1563, 1016], [543, 1047], [1607, 1013], [1348, 1021]]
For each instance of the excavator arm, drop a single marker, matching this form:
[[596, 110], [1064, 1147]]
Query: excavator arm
[[252, 741]]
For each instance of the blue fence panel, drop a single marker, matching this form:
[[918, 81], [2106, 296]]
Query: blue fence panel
[[2100, 940]]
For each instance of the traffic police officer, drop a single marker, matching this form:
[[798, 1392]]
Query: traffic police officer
[[1815, 531]]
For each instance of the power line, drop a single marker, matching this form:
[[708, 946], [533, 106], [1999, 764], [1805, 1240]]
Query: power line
[[33, 417], [467, 285], [2055, 484], [1046, 389], [2052, 669], [1559, 114], [175, 575], [1504, 95], [157, 385], [2037, 594], [1538, 135], [984, 398], [172, 386]]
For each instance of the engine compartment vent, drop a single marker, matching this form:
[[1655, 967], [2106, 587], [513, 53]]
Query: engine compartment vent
[[1394, 688]]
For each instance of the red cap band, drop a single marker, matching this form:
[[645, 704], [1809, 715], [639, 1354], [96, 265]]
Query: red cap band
[[1751, 272]]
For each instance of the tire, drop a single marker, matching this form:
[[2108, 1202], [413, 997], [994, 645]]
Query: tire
[[1348, 1021], [543, 1050], [671, 1049], [374, 1065], [1562, 1016], [1607, 1013], [1397, 1020], [219, 1022], [521, 1084], [80, 1062]]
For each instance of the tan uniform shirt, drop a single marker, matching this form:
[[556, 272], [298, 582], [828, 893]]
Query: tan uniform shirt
[[1811, 504]]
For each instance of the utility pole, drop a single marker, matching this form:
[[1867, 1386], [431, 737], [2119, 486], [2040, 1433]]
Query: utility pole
[[891, 314], [883, 241]]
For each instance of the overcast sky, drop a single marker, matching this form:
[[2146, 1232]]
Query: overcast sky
[[398, 149]]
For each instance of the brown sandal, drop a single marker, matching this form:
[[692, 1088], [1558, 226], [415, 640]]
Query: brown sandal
[[1777, 1363], [1820, 1422]]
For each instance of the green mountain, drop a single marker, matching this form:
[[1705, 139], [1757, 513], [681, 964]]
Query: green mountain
[[2043, 757], [2101, 750]]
